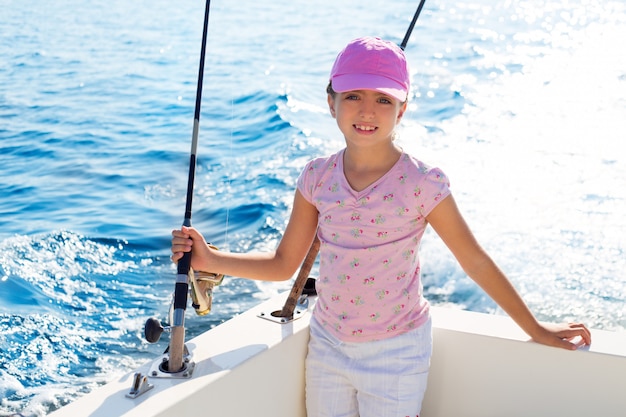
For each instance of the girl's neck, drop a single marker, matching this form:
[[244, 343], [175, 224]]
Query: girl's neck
[[363, 167], [375, 158]]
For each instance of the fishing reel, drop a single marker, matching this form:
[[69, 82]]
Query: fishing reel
[[201, 286], [200, 289]]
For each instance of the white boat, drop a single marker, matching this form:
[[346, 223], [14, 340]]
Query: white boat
[[482, 365]]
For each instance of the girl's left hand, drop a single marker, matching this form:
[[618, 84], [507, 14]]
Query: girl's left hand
[[569, 336]]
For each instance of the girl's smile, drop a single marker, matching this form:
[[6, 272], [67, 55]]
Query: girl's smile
[[366, 113], [365, 128]]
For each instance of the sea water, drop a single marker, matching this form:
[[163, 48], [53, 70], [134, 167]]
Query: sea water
[[520, 103]]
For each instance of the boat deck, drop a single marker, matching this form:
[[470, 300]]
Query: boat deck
[[482, 365]]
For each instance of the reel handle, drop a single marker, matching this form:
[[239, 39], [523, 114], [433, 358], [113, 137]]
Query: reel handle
[[152, 330]]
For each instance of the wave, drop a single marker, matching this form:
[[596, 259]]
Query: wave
[[72, 310]]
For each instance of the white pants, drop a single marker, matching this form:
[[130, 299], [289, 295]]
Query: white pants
[[383, 378]]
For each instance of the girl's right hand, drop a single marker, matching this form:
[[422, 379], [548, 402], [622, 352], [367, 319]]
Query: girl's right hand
[[188, 239]]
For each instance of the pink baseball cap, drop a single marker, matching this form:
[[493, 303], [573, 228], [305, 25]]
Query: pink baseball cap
[[371, 63]]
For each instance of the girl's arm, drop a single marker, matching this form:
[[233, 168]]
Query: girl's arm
[[278, 265], [449, 224]]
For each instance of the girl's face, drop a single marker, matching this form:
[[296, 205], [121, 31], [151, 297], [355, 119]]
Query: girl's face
[[366, 117]]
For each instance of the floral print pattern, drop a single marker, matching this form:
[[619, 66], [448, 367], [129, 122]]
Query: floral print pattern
[[369, 244]]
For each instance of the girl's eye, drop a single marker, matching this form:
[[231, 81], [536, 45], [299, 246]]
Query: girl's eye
[[352, 97], [384, 100]]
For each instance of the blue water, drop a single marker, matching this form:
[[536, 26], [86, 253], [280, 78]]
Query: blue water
[[521, 103]]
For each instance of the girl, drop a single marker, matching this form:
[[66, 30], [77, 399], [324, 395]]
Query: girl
[[370, 203]]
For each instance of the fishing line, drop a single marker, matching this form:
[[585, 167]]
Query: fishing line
[[228, 180]]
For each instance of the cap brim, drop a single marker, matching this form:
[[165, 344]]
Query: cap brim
[[351, 82]]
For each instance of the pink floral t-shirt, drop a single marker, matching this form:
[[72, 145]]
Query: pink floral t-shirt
[[369, 286]]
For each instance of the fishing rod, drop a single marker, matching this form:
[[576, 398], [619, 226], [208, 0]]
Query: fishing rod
[[153, 329], [412, 25], [287, 312], [177, 339]]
